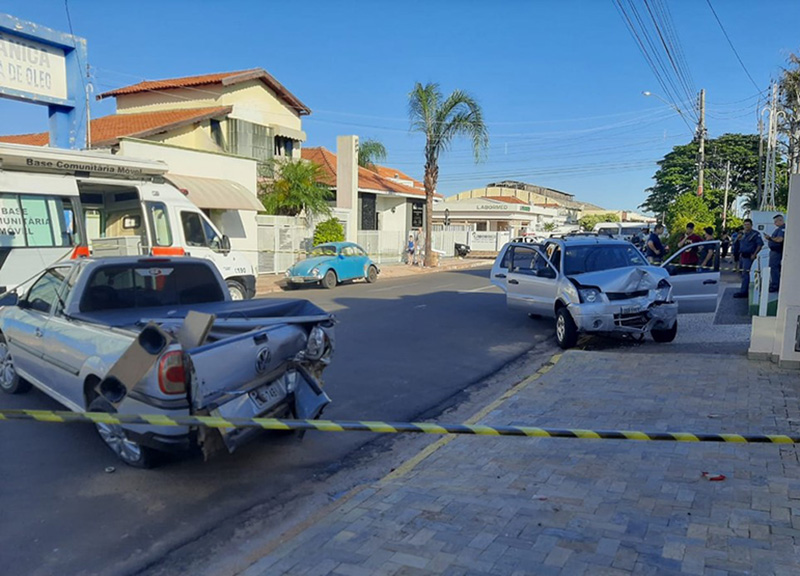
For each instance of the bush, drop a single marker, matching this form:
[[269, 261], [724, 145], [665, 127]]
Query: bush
[[328, 231]]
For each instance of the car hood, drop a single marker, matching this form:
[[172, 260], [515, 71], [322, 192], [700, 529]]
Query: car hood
[[305, 266], [629, 279]]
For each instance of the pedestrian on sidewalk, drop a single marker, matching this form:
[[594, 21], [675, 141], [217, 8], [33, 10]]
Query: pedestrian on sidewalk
[[410, 250], [419, 247], [654, 249], [726, 243], [737, 235], [775, 243], [689, 258], [707, 251], [750, 244]]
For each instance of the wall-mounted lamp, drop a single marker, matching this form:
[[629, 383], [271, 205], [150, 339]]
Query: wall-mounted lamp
[[393, 209]]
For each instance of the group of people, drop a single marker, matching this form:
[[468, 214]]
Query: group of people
[[746, 243], [415, 248]]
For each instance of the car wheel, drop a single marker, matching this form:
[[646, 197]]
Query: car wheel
[[329, 281], [667, 335], [372, 275], [130, 452], [236, 289], [10, 381], [566, 331]]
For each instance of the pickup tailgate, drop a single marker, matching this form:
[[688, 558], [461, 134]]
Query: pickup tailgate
[[255, 374]]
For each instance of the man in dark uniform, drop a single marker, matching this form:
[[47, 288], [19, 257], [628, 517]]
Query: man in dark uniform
[[654, 249], [750, 244], [775, 243]]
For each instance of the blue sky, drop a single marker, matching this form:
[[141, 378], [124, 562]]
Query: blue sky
[[560, 82]]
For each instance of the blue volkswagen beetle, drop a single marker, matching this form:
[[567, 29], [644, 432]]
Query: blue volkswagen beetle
[[331, 263]]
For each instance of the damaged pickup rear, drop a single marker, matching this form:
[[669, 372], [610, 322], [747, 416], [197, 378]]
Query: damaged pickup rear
[[161, 336]]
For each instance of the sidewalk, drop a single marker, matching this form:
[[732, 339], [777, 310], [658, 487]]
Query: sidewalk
[[267, 283], [484, 505]]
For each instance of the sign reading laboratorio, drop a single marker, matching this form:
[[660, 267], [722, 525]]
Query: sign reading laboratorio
[[31, 67]]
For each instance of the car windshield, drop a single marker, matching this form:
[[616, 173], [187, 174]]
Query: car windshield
[[323, 251], [582, 259]]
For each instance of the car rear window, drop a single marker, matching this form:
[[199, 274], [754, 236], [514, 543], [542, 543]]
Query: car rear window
[[148, 285]]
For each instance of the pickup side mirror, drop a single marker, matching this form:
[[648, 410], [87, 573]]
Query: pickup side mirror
[[10, 299], [226, 244]]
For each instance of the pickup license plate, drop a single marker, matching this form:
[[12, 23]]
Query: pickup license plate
[[630, 309], [268, 395]]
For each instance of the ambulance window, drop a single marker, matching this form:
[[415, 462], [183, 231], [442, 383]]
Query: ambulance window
[[212, 238], [159, 223], [193, 229]]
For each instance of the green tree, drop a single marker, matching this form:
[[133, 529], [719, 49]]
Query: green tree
[[328, 231], [588, 222], [441, 119], [298, 187], [789, 86], [687, 208], [370, 153], [677, 174]]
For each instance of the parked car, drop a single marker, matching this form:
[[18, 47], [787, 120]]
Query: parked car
[[596, 284], [260, 357], [332, 263]]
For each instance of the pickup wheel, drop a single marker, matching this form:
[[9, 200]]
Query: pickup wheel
[[372, 275], [667, 335], [566, 330], [130, 452], [10, 381], [236, 289], [329, 280]]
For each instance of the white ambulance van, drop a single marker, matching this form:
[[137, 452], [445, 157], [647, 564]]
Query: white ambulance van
[[57, 204]]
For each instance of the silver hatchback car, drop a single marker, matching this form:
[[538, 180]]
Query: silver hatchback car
[[596, 284]]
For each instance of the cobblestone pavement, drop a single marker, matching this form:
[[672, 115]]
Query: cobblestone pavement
[[484, 505], [267, 283]]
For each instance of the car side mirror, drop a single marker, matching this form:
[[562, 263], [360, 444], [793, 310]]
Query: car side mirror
[[10, 299], [225, 244]]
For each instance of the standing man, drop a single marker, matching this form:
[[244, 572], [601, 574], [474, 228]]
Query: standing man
[[689, 258], [750, 244], [708, 251], [654, 249], [775, 243]]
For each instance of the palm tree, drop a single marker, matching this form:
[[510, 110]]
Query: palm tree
[[298, 187], [370, 152], [442, 119]]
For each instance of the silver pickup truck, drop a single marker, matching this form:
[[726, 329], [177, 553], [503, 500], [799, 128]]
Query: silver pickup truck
[[78, 319]]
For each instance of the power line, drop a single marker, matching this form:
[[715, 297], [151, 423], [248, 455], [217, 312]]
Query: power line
[[730, 43]]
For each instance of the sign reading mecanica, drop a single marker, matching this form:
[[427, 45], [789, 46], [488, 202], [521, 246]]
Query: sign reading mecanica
[[31, 67]]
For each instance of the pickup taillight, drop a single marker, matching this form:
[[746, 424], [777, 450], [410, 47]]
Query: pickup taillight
[[171, 375]]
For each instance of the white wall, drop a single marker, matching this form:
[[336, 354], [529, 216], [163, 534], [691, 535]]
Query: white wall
[[239, 225], [396, 222]]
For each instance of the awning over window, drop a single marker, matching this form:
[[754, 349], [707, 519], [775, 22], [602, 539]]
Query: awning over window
[[216, 194], [298, 135]]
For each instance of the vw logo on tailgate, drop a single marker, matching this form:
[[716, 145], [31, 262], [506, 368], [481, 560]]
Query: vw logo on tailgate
[[263, 359]]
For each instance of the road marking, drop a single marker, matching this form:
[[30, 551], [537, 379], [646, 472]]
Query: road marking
[[482, 289]]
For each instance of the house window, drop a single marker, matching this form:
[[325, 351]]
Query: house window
[[369, 214], [216, 133], [283, 146], [248, 139]]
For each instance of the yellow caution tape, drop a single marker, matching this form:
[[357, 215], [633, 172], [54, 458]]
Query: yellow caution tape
[[388, 427]]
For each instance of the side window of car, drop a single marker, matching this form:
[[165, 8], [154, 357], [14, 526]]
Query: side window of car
[[44, 294], [555, 258], [522, 260]]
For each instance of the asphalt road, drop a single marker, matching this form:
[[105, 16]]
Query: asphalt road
[[406, 349]]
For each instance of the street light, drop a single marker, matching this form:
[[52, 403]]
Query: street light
[[667, 102]]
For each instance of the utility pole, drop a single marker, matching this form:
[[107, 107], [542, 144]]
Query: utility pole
[[760, 185], [701, 134], [725, 202], [768, 197]]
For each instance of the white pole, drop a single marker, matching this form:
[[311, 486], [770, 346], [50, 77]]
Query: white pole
[[763, 299]]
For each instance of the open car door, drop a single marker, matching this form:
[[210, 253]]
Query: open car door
[[531, 283], [695, 287], [500, 267]]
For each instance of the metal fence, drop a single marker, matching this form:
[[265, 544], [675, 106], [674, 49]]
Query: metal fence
[[281, 239]]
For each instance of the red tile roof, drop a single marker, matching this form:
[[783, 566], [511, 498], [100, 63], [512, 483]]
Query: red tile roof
[[224, 78], [367, 179], [506, 199], [107, 130], [394, 173]]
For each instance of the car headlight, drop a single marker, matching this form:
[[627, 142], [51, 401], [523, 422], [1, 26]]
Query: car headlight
[[663, 291], [288, 272], [589, 295], [317, 341], [315, 271]]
